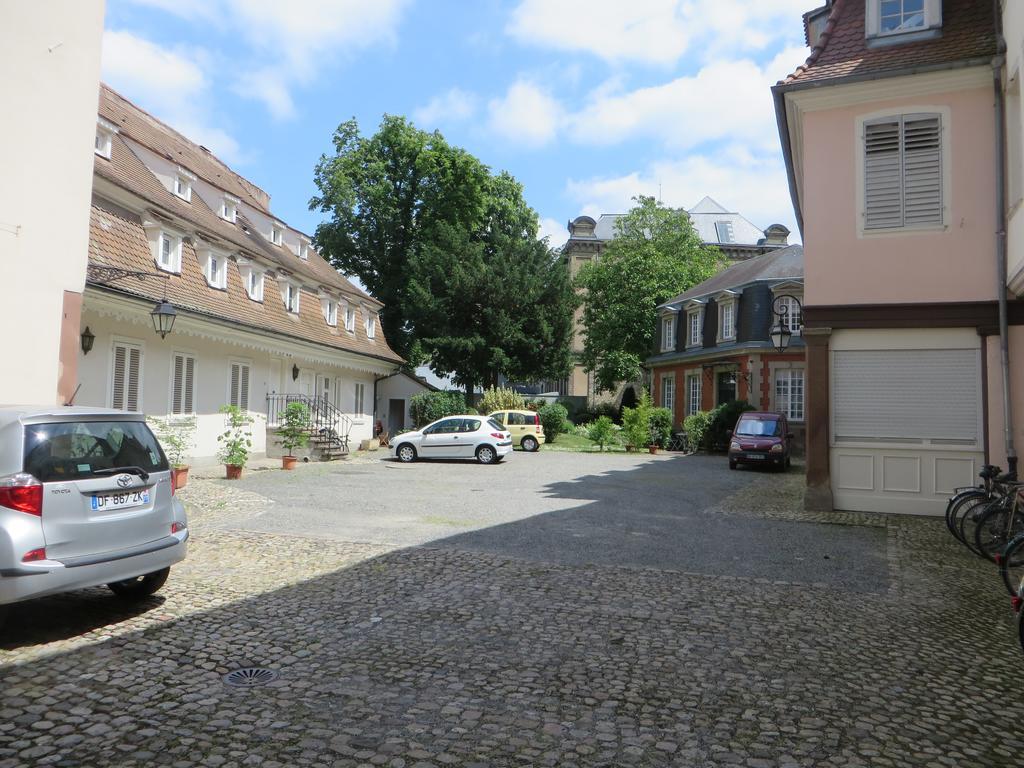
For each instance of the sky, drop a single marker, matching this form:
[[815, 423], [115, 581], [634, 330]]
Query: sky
[[588, 103]]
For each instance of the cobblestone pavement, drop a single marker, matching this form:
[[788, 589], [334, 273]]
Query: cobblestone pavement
[[442, 655]]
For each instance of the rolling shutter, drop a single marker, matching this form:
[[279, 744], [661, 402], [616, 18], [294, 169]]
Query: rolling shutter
[[127, 369], [903, 172], [906, 395], [182, 384]]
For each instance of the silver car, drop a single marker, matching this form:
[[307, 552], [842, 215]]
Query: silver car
[[86, 498], [455, 437]]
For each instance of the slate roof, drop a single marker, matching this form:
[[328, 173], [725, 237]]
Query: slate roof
[[774, 266], [968, 34], [117, 238]]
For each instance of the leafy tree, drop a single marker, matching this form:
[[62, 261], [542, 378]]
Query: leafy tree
[[431, 406], [601, 431], [554, 417], [655, 254]]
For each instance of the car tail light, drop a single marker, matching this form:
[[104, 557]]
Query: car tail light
[[497, 435], [22, 493], [34, 555], [175, 527]]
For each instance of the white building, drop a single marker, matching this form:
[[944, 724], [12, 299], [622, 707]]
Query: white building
[[261, 317], [50, 54]]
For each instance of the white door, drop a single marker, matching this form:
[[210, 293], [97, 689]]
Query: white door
[[306, 384], [906, 418]]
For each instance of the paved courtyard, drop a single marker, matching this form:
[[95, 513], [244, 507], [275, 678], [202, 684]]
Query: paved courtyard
[[555, 610]]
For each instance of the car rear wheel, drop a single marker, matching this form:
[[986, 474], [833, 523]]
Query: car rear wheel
[[140, 586], [530, 444], [406, 453], [486, 455]]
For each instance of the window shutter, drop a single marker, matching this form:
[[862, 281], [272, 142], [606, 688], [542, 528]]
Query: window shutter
[[922, 171], [190, 371], [243, 388], [233, 399], [117, 388], [882, 178], [177, 384], [132, 384]]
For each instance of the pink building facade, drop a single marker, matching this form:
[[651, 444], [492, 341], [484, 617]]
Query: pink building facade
[[890, 135]]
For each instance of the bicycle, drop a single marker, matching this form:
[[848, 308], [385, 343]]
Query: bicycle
[[1011, 568], [999, 522]]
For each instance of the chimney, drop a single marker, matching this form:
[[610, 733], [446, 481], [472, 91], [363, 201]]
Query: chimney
[[776, 234]]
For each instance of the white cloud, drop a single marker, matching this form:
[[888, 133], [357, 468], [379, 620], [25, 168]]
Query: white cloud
[[657, 32], [754, 186], [554, 230], [269, 87], [455, 105], [168, 83], [526, 114]]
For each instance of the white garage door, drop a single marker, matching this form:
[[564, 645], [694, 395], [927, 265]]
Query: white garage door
[[906, 424]]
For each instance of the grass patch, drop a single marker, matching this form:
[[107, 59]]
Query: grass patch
[[575, 443]]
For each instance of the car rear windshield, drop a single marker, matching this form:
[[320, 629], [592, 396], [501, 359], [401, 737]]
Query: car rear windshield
[[495, 425], [759, 427], [77, 449]]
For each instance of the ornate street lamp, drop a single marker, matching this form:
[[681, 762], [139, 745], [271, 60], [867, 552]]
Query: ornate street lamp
[[163, 314], [88, 337], [781, 332]]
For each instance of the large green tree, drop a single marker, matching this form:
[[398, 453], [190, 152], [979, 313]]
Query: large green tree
[[655, 254], [450, 249]]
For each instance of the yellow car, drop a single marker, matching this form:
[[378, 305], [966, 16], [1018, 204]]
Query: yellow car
[[525, 427]]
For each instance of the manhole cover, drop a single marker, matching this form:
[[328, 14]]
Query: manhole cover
[[249, 677]]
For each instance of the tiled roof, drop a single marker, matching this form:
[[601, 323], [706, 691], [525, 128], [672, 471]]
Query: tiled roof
[[117, 238], [782, 264], [968, 33]]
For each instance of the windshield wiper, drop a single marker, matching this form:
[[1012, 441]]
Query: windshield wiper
[[126, 470]]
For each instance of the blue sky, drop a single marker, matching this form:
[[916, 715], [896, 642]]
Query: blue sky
[[586, 102]]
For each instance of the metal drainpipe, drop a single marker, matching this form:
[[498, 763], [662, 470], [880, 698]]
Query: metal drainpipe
[[1001, 267]]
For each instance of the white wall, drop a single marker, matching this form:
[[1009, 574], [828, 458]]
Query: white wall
[[398, 388], [50, 53], [269, 372], [1013, 30]]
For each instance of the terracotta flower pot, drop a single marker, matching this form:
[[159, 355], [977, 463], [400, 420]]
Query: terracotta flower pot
[[288, 462], [179, 476], [652, 448], [234, 471]]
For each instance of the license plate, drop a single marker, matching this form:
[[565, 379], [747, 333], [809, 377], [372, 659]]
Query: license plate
[[120, 500], [753, 456]]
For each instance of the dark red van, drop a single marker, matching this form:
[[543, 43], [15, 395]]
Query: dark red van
[[760, 438]]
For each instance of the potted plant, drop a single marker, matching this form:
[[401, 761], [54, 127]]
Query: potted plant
[[235, 441], [294, 432], [177, 437]]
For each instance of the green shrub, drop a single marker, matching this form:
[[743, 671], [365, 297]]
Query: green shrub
[[553, 418], [294, 430], [601, 431], [431, 406], [636, 423], [696, 427], [723, 418], [236, 440], [661, 426], [501, 399], [176, 436]]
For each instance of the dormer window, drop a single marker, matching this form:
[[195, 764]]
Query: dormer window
[[694, 326], [896, 21], [168, 253], [254, 285], [229, 209], [291, 298], [105, 131], [216, 272], [182, 186], [371, 325], [350, 319], [668, 333], [726, 316], [331, 312], [276, 234]]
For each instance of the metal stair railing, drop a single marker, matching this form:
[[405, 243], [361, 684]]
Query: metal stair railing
[[327, 423]]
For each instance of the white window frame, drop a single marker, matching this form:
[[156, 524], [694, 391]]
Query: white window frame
[[350, 319], [181, 184], [104, 144], [303, 250], [791, 306], [723, 305], [668, 332], [873, 23], [174, 252], [234, 398], [358, 398], [129, 344], [191, 395], [276, 234], [254, 281], [785, 401], [292, 291], [693, 393], [695, 339], [944, 113], [331, 312], [370, 324], [229, 209], [220, 279], [668, 392]]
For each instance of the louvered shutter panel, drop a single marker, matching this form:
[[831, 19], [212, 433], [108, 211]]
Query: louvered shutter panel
[[177, 383], [243, 387], [883, 202], [922, 171], [117, 385], [234, 383], [906, 394], [190, 375], [132, 384]]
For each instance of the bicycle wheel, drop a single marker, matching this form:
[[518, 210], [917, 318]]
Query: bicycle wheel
[[969, 518], [958, 505], [1011, 566], [991, 534]]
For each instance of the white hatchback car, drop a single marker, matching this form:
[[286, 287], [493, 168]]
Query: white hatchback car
[[86, 498], [455, 437]]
